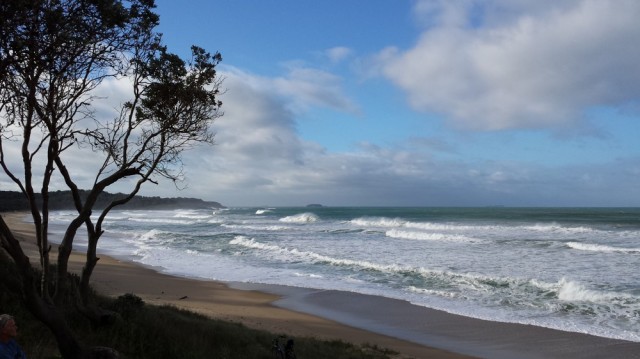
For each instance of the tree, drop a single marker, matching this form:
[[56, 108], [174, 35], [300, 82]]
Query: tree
[[54, 54]]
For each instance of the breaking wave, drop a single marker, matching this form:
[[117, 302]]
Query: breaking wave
[[601, 248], [300, 218], [378, 222], [256, 227], [424, 236]]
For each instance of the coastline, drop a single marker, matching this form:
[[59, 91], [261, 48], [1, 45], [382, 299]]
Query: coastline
[[253, 308], [411, 330], [464, 335]]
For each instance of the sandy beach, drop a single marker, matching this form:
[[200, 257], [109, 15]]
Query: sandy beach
[[413, 331], [253, 308]]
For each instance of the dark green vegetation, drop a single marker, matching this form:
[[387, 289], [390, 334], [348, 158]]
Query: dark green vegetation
[[139, 330], [54, 57], [15, 201]]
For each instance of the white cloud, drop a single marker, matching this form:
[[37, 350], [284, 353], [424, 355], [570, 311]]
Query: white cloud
[[339, 53], [529, 67], [259, 159], [309, 87]]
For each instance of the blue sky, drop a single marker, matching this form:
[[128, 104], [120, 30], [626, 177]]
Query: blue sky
[[419, 102], [415, 103]]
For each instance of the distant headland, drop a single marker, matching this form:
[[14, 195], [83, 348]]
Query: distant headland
[[61, 200]]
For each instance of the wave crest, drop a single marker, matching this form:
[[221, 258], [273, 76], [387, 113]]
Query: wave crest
[[377, 222], [153, 234], [575, 292], [424, 236], [601, 248], [300, 218]]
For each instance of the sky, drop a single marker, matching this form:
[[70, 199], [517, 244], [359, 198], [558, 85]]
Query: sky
[[415, 103]]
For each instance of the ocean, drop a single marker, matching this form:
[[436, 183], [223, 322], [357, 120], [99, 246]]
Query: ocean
[[572, 269]]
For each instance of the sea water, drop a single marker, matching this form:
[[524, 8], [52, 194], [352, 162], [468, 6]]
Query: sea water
[[573, 269]]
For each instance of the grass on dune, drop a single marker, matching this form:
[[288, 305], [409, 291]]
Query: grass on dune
[[140, 330]]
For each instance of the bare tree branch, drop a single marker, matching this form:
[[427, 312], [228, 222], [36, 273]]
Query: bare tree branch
[[53, 57]]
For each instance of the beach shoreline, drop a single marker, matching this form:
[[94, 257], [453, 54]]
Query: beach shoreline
[[436, 328], [411, 330], [255, 309]]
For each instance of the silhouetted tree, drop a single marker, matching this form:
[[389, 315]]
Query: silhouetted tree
[[53, 56]]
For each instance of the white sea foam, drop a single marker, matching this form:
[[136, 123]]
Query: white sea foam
[[377, 222], [438, 226], [257, 228], [263, 211], [556, 228], [470, 281], [489, 231], [573, 291], [300, 218], [458, 279], [515, 275], [424, 236], [151, 235], [114, 218], [295, 254], [307, 275], [457, 227], [601, 248], [439, 293], [162, 221], [191, 215]]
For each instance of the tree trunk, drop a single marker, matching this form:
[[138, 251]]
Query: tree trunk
[[43, 309], [48, 314]]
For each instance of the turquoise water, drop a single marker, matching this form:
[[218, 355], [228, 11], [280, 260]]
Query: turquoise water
[[572, 269]]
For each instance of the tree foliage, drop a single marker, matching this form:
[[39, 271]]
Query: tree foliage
[[54, 55]]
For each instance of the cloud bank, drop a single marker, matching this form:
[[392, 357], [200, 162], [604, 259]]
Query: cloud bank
[[482, 65], [260, 159], [495, 65]]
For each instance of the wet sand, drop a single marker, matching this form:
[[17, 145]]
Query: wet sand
[[413, 331], [481, 338]]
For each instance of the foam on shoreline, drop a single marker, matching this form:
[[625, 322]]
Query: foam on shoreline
[[255, 309], [334, 315], [429, 327]]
